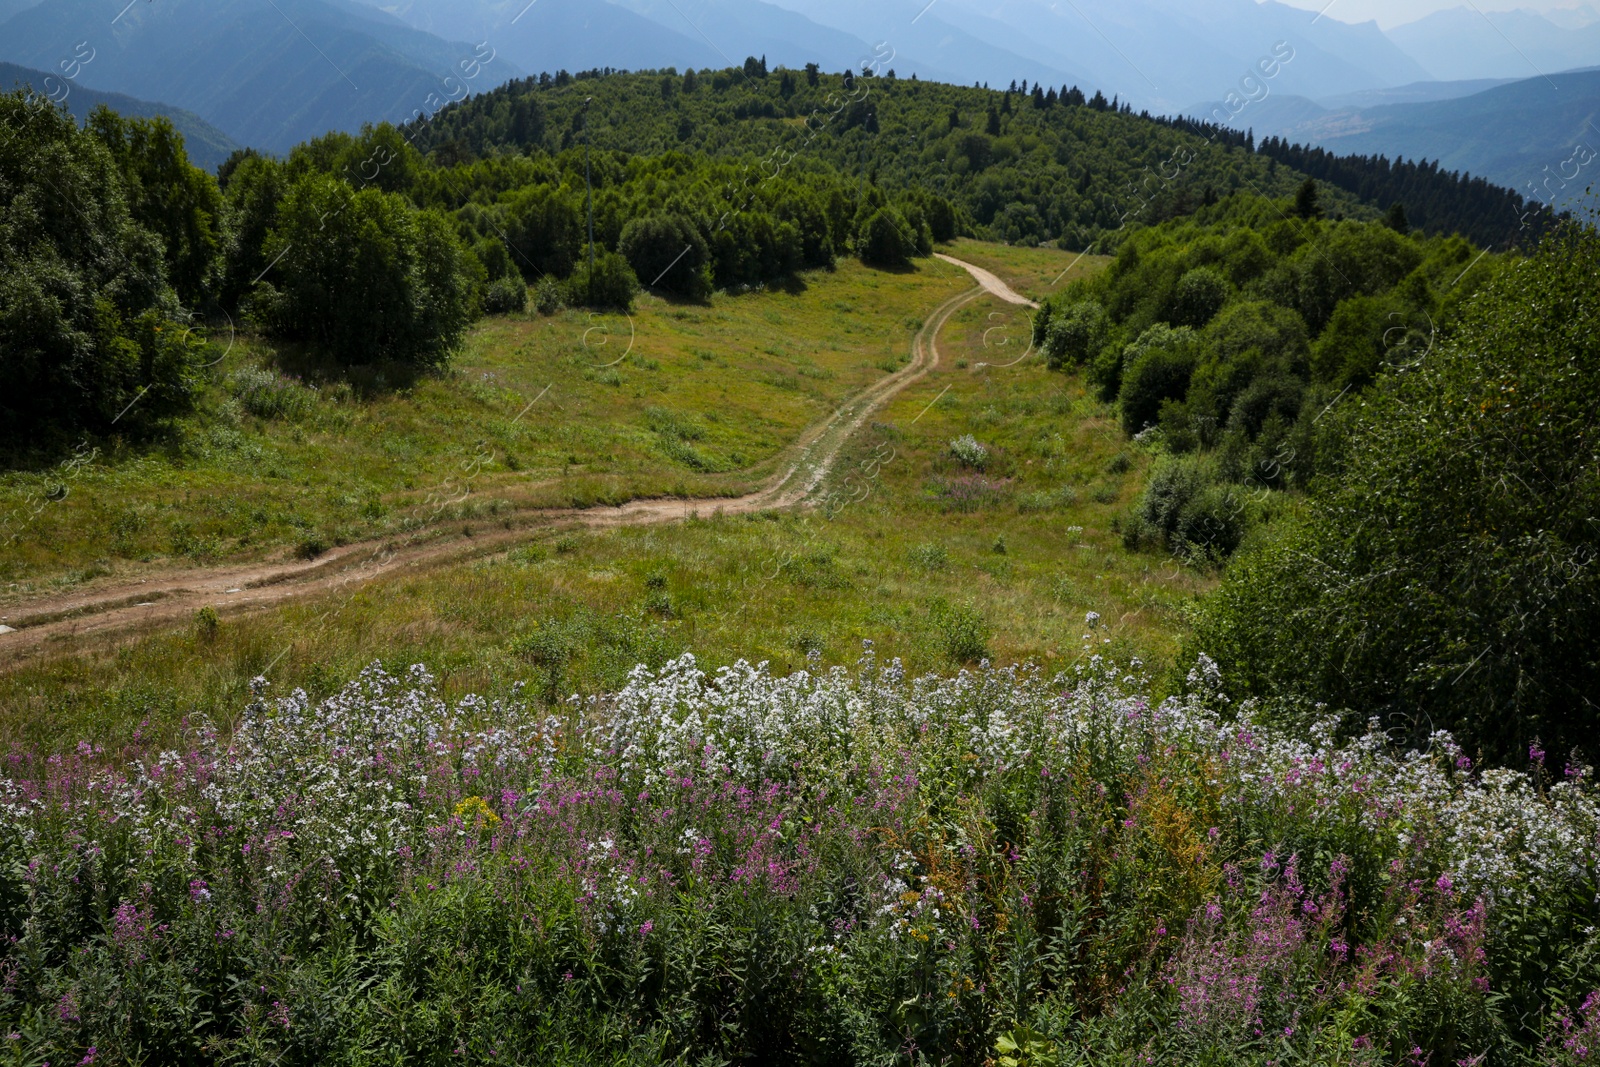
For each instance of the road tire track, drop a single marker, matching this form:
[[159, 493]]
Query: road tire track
[[60, 624]]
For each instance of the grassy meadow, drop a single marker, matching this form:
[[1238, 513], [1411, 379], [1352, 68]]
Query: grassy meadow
[[934, 560], [571, 410]]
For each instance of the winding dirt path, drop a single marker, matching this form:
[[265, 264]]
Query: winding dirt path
[[56, 623], [990, 281]]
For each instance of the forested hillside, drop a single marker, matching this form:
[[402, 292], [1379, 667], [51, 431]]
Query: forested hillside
[[699, 181], [1224, 338], [1027, 164]]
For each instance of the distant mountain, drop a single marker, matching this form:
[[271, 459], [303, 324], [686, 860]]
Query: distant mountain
[[640, 34], [942, 42], [268, 74], [552, 35], [1539, 137], [207, 145], [739, 28], [1464, 42], [1415, 93], [1291, 116], [1160, 54]]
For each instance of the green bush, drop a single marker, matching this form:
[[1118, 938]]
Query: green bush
[[1446, 572], [548, 297], [270, 396], [667, 252], [1157, 368], [365, 278], [961, 631], [611, 285], [886, 239], [508, 296], [1200, 295], [1074, 334]]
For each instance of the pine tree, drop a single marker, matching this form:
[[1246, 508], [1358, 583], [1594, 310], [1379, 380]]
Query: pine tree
[[1307, 200], [1396, 218]]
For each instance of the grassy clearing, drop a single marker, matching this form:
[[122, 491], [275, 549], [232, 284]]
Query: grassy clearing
[[936, 561], [1033, 272], [536, 411]]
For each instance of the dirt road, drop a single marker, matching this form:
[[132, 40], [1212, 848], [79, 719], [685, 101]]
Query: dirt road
[[989, 281], [58, 623]]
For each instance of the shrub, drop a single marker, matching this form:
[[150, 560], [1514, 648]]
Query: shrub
[[1446, 571], [929, 556], [961, 631], [1075, 334], [548, 297], [270, 396], [668, 252], [886, 239], [969, 453], [1186, 510], [548, 647], [207, 623], [1199, 296], [1157, 369], [612, 284], [508, 296]]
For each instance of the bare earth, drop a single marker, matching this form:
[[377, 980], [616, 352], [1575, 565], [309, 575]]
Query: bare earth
[[56, 623]]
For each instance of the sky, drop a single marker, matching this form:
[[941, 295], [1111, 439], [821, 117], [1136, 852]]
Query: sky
[[1390, 13]]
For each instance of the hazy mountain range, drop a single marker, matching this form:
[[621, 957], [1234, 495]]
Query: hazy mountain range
[[207, 145], [271, 73], [1539, 136]]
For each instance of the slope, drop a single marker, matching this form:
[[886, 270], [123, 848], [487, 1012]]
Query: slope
[[311, 65], [207, 145], [1540, 136]]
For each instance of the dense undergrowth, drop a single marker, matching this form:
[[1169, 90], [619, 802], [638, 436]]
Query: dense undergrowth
[[841, 867]]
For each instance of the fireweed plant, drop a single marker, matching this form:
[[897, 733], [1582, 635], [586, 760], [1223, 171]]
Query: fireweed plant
[[839, 867]]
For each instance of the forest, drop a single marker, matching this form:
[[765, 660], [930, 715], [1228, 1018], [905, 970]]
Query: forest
[[700, 181]]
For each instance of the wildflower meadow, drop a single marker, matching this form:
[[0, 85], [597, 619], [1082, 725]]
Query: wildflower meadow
[[834, 867]]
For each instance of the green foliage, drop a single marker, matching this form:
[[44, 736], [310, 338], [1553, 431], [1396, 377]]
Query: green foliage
[[1445, 572], [1189, 511], [961, 631], [1308, 201], [254, 187], [508, 296], [270, 396], [886, 240], [1236, 329], [174, 200], [548, 297], [610, 285], [1157, 369], [1072, 335], [668, 252], [1201, 294], [364, 278], [89, 337]]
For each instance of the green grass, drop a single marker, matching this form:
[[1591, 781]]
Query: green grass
[[890, 557]]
